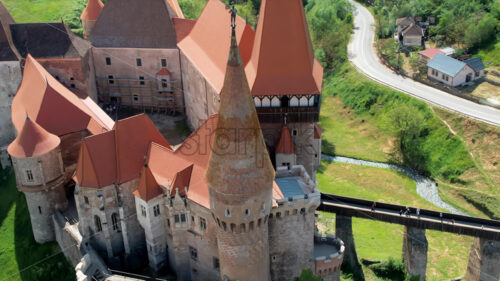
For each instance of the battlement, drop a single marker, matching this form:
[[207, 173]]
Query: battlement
[[299, 191], [328, 254]]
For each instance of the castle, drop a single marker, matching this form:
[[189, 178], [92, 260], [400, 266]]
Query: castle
[[235, 201]]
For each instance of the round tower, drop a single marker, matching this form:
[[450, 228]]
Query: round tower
[[240, 180], [36, 157], [89, 16]]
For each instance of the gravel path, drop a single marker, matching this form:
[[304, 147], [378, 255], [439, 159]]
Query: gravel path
[[426, 188]]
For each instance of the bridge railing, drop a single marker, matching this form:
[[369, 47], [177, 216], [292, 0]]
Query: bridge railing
[[413, 210]]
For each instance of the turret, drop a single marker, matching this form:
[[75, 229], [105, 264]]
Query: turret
[[240, 179], [285, 150], [36, 157], [89, 16]]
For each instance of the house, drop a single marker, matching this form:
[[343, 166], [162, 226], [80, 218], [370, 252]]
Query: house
[[403, 23], [449, 71], [448, 51], [412, 35], [428, 54], [478, 66]]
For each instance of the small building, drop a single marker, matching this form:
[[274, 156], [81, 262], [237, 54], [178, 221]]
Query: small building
[[403, 23], [478, 66], [449, 71], [412, 35], [448, 51], [428, 54]]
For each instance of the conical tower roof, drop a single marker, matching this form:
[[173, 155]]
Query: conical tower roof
[[148, 187], [32, 141], [92, 10], [282, 61], [239, 163], [285, 144]]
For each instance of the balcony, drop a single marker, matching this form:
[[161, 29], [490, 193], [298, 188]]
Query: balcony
[[293, 114]]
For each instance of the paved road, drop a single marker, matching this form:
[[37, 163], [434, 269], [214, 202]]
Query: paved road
[[363, 56]]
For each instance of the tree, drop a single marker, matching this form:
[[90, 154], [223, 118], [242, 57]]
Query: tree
[[307, 275], [483, 32], [406, 122]]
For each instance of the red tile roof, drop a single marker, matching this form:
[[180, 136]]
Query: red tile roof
[[148, 187], [285, 144], [181, 181], [282, 60], [33, 141], [183, 27], [163, 72], [96, 166], [92, 10], [207, 45], [240, 164], [54, 107], [124, 148], [317, 131], [431, 52]]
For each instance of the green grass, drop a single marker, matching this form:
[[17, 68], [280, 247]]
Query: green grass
[[491, 53], [39, 10], [351, 135], [447, 256], [18, 250]]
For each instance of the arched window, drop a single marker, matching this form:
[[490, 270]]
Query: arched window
[[114, 220], [294, 102], [97, 221], [304, 101], [257, 102], [275, 102], [266, 102], [311, 101]]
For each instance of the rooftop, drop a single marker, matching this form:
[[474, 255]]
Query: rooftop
[[7, 52], [446, 64], [291, 186], [92, 10], [33, 141], [431, 52], [475, 63]]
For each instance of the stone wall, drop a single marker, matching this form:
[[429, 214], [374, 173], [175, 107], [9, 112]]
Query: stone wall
[[10, 77], [484, 261], [200, 97], [68, 71], [44, 168], [415, 248], [343, 230]]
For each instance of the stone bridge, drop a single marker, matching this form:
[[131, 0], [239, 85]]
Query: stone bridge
[[484, 258]]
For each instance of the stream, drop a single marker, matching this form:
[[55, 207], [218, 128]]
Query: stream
[[426, 188]]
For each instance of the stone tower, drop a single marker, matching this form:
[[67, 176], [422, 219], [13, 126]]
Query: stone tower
[[36, 157], [89, 16], [240, 180]]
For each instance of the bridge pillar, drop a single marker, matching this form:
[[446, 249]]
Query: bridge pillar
[[415, 252], [343, 230], [484, 260]]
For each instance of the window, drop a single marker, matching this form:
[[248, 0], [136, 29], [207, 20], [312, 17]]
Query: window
[[176, 218], [203, 223], [40, 210], [168, 222], [108, 61], [29, 175], [192, 219], [156, 210], [111, 79], [194, 253], [86, 200], [97, 222], [72, 85], [72, 78], [228, 213], [138, 62], [477, 73], [143, 211], [247, 213], [114, 220], [183, 217], [163, 62], [294, 132], [136, 97], [263, 207], [216, 263], [164, 83], [141, 80]]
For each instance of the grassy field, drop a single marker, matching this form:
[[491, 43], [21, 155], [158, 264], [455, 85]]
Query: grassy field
[[382, 241], [18, 250], [348, 134], [40, 10]]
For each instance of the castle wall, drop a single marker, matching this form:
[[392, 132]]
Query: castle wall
[[484, 261], [10, 75], [177, 242], [41, 207], [415, 252], [281, 159], [90, 76], [44, 168], [291, 242], [68, 237], [204, 240], [68, 71], [200, 98], [126, 85]]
